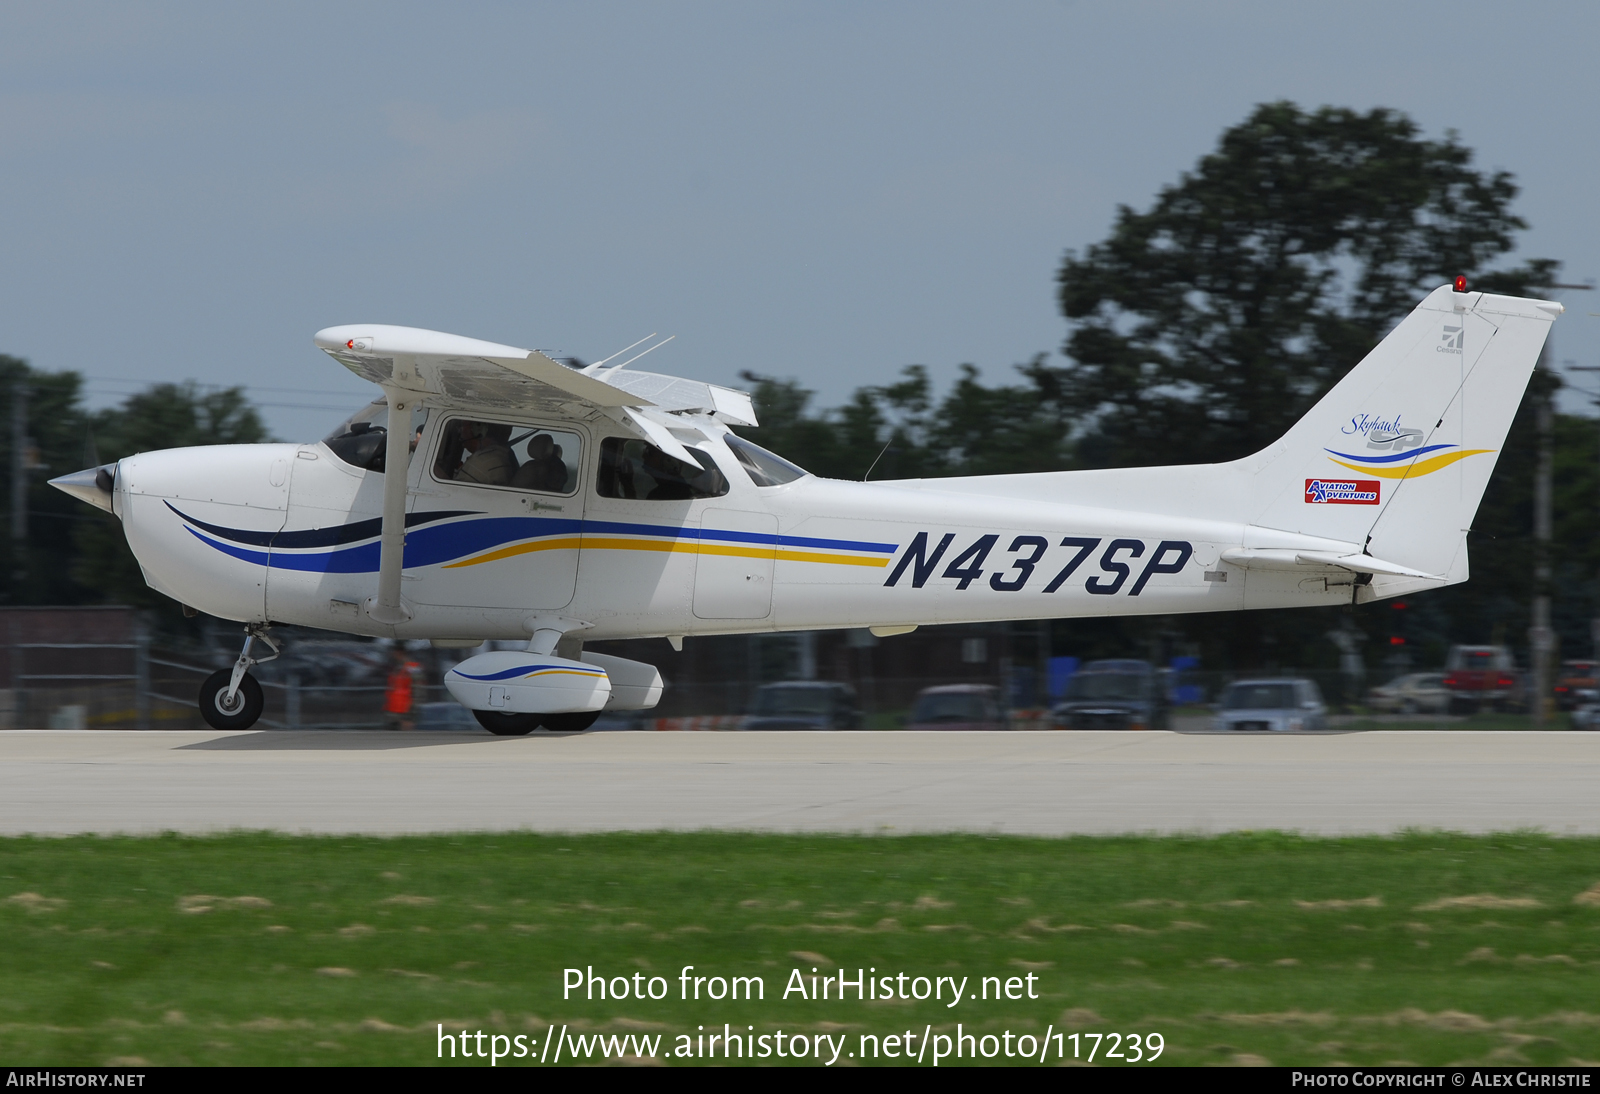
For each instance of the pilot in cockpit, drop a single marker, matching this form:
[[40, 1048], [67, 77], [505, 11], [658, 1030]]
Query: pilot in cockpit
[[491, 461], [668, 473]]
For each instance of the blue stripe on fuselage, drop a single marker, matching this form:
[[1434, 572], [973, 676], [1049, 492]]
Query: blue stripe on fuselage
[[430, 544]]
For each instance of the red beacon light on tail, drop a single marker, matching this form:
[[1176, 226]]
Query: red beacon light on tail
[[1461, 283]]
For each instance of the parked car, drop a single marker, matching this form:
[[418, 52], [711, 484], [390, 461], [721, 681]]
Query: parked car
[[1577, 684], [1586, 716], [1277, 705], [958, 706], [1112, 695], [1481, 677], [804, 704], [1413, 693]]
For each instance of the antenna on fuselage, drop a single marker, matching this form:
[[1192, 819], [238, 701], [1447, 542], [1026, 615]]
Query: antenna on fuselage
[[881, 454], [591, 368]]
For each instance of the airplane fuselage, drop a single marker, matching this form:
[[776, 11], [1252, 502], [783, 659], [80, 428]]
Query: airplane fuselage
[[288, 533]]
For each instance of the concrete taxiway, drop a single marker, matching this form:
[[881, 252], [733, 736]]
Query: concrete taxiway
[[59, 782]]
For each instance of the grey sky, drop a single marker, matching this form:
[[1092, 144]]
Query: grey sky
[[820, 191]]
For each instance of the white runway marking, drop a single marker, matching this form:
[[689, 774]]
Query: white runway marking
[[1034, 783]]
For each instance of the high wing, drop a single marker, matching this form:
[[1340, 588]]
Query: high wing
[[446, 370]]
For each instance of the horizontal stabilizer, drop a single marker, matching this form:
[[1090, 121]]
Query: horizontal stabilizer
[[1288, 558]]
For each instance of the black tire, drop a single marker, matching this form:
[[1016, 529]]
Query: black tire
[[248, 701], [575, 722], [1408, 707], [502, 724]]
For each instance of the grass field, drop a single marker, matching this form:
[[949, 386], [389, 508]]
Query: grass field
[[268, 949]]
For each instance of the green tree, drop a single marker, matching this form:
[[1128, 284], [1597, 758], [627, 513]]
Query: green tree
[[1007, 429], [899, 431], [56, 443], [1205, 326]]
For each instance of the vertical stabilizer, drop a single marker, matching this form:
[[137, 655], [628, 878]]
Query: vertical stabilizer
[[1396, 457]]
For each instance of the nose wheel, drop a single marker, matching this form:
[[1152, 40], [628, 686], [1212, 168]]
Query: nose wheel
[[231, 698], [239, 711]]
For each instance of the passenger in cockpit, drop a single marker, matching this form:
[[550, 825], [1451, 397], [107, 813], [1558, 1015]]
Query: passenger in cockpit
[[544, 470], [669, 476], [491, 462]]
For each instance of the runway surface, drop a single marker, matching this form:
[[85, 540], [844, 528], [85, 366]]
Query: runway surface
[[1038, 783]]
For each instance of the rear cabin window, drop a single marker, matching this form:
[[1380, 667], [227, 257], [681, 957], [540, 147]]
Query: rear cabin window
[[520, 457], [638, 471]]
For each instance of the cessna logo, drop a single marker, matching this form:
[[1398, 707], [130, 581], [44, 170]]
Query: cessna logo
[[1451, 339], [1342, 491]]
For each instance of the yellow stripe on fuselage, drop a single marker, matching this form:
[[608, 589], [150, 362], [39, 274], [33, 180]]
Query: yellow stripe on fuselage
[[1421, 467], [671, 546]]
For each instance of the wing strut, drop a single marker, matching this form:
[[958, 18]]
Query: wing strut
[[386, 607]]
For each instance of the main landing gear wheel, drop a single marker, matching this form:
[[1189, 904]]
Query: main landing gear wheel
[[576, 722], [502, 724], [221, 714], [519, 725]]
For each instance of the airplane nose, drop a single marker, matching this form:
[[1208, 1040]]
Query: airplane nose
[[93, 485]]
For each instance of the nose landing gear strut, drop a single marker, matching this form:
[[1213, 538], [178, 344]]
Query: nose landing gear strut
[[231, 698]]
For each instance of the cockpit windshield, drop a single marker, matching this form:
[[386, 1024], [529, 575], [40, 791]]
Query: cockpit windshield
[[764, 468], [362, 439]]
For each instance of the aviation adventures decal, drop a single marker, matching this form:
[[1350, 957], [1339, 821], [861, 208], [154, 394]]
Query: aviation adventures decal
[[1342, 491], [1395, 451]]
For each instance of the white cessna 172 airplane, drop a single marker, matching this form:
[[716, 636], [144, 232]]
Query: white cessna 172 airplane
[[544, 503]]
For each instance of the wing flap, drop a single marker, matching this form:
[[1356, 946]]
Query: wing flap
[[541, 369]]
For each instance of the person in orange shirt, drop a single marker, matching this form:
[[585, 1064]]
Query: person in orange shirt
[[399, 698]]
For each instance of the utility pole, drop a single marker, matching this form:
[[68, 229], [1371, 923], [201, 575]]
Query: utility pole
[[1594, 621], [19, 485], [1540, 639]]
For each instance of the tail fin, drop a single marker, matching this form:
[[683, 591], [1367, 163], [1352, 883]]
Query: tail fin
[[1396, 457]]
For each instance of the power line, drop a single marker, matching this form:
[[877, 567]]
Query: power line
[[221, 387]]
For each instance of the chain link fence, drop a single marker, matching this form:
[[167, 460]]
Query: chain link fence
[[99, 668]]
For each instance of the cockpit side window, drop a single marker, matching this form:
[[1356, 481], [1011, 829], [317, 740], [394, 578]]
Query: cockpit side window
[[362, 440], [764, 468], [638, 471], [521, 457]]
